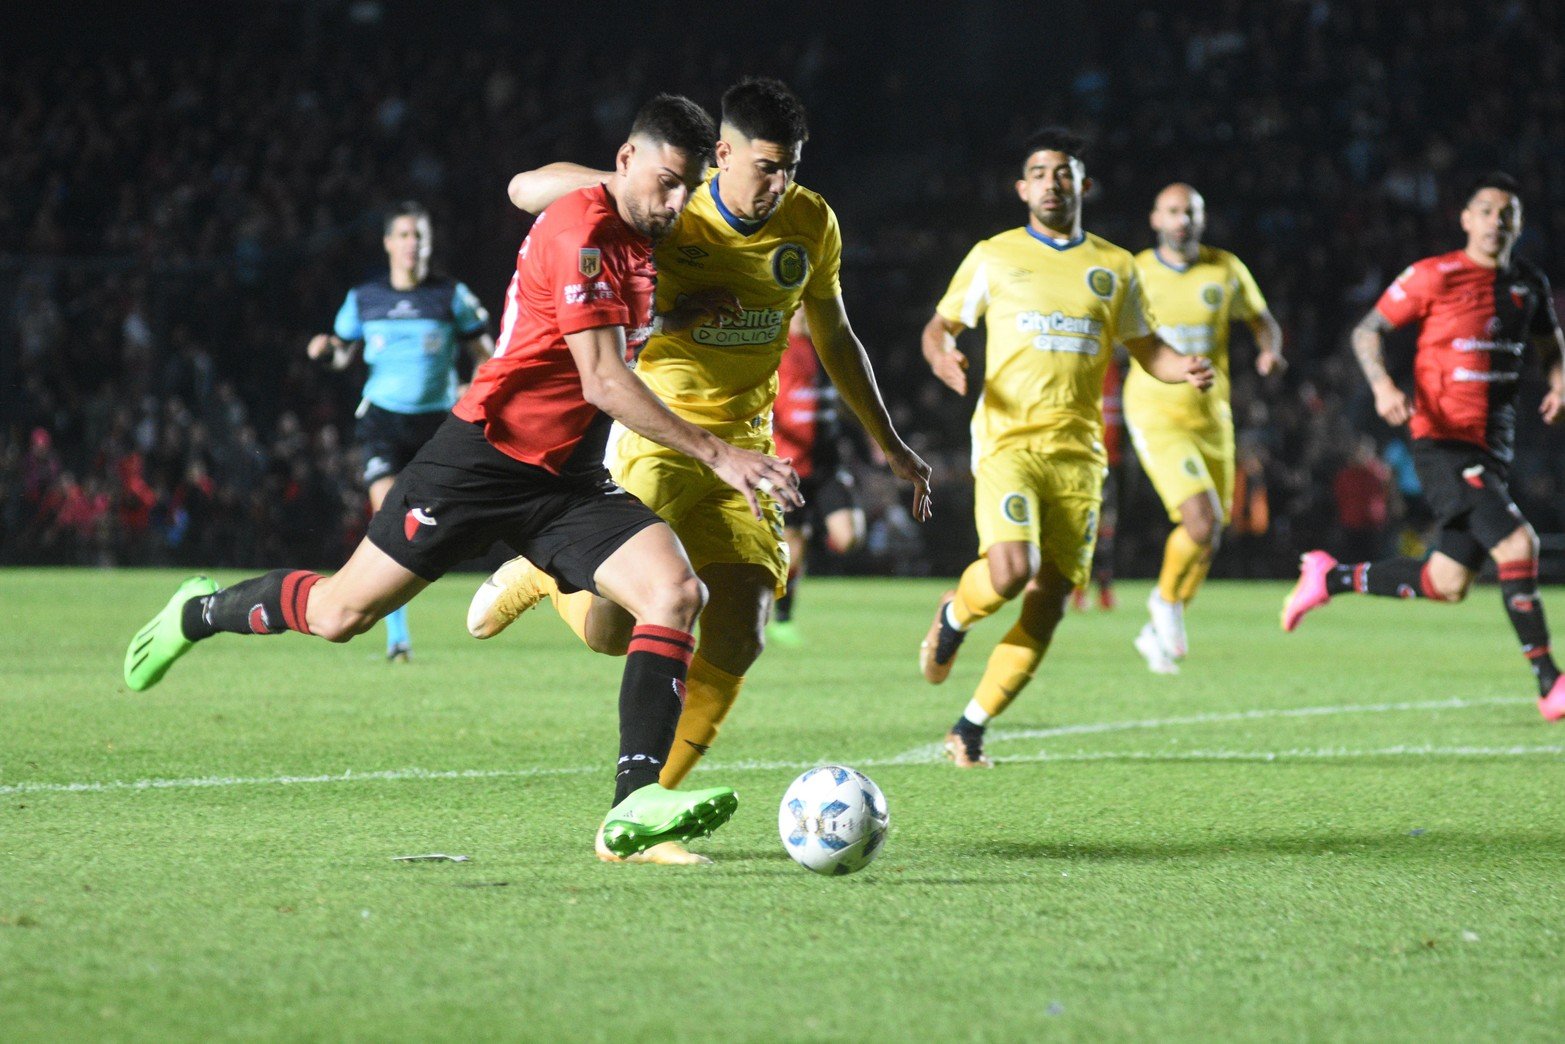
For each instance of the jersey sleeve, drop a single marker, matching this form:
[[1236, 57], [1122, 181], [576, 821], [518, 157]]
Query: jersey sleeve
[[1545, 320], [584, 280], [1132, 316], [1249, 303], [967, 298], [1407, 299], [469, 318], [347, 326], [826, 277]]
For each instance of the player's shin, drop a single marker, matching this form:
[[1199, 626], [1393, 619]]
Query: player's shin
[[265, 604], [976, 596], [1011, 667], [1181, 556], [709, 696], [652, 695], [1519, 589]]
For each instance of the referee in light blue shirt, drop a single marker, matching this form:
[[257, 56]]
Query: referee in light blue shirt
[[411, 326]]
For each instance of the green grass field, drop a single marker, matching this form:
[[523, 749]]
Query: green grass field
[[1353, 832]]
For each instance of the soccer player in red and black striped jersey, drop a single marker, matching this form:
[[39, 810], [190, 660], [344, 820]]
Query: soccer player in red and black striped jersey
[[520, 460], [1478, 309]]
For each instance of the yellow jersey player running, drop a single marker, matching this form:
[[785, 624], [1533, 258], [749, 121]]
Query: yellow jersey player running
[[1055, 301], [752, 247], [1185, 439]]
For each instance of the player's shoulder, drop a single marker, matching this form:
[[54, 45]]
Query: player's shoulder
[[1523, 270], [1437, 268], [1109, 255], [583, 214], [806, 205]]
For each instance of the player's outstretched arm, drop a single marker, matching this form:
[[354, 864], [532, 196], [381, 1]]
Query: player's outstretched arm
[[342, 352], [1268, 344], [1164, 362], [1551, 350], [533, 190], [847, 364], [1369, 347], [941, 353], [611, 386]]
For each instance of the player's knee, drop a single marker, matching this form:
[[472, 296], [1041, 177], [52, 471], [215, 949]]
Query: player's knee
[[677, 604], [1202, 529], [341, 625], [1520, 546]]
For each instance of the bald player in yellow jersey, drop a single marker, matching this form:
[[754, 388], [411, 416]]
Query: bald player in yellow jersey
[[1185, 439], [750, 248], [1055, 301]]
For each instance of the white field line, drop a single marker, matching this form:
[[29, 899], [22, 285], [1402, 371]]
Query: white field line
[[926, 754]]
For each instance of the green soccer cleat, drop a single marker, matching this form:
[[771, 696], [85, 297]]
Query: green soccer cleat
[[162, 641], [652, 815]]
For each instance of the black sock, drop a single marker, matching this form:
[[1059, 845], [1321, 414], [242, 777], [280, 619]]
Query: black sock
[[1389, 578], [1519, 588], [785, 603], [966, 727], [651, 695], [950, 639], [262, 605]]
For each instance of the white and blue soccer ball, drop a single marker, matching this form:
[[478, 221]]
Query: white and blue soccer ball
[[833, 820]]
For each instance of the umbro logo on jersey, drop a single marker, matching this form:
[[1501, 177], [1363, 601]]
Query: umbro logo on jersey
[[414, 519], [694, 253]]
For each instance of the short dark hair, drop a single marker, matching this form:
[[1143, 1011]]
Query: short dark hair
[[407, 208], [1055, 139], [764, 108], [672, 119], [1495, 179]]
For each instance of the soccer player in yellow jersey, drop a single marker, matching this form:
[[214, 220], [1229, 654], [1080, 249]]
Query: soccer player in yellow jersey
[[751, 248], [1186, 439], [1055, 300]]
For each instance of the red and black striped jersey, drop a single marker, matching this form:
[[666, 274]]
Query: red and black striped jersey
[[1475, 323]]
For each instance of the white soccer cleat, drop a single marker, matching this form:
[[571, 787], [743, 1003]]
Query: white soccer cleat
[[1151, 650], [1168, 623], [504, 595]]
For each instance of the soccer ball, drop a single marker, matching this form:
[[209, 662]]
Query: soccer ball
[[833, 820]]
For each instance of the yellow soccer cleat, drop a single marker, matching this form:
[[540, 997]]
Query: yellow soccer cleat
[[504, 595]]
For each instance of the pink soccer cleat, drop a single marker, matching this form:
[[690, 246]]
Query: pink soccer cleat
[[1552, 706], [1310, 592]]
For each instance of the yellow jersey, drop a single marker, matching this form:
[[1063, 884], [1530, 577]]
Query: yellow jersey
[[1194, 306], [1053, 313], [722, 375]]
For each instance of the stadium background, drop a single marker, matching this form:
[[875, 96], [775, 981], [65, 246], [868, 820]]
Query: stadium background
[[187, 191]]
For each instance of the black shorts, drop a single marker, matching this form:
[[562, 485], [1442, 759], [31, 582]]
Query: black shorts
[[824, 494], [460, 495], [1467, 490], [390, 439]]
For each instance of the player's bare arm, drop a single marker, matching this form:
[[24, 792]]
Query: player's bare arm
[[342, 352], [611, 386], [1163, 361], [1268, 344], [847, 364], [1551, 350], [479, 347], [534, 190], [945, 360], [1369, 347]]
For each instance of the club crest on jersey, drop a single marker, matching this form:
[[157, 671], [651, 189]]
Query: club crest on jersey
[[1473, 476], [589, 261], [1016, 509], [790, 265], [1212, 296], [1101, 282], [415, 520], [1519, 295]]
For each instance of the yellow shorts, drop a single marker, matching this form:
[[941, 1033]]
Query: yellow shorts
[[1049, 502], [710, 517], [1185, 461]]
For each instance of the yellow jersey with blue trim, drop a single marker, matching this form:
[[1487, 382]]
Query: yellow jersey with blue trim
[[1053, 312], [722, 374], [1194, 305]]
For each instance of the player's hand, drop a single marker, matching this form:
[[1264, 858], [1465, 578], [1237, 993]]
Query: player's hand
[[1552, 409], [753, 474], [1268, 363], [715, 303], [1199, 372], [951, 367], [319, 346], [910, 467], [1392, 404]]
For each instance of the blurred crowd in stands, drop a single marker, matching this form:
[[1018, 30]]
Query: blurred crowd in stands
[[183, 202]]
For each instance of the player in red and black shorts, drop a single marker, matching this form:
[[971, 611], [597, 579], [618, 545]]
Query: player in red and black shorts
[[1478, 309], [520, 460], [805, 427]]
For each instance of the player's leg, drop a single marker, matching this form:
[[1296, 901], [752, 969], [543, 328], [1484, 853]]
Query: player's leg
[[1187, 555], [335, 608], [1516, 558], [1108, 530], [399, 644], [739, 599], [519, 585], [796, 534]]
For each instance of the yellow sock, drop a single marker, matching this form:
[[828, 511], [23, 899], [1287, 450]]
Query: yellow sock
[[1179, 554], [709, 695], [573, 608], [976, 597], [1194, 577], [1011, 667]]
